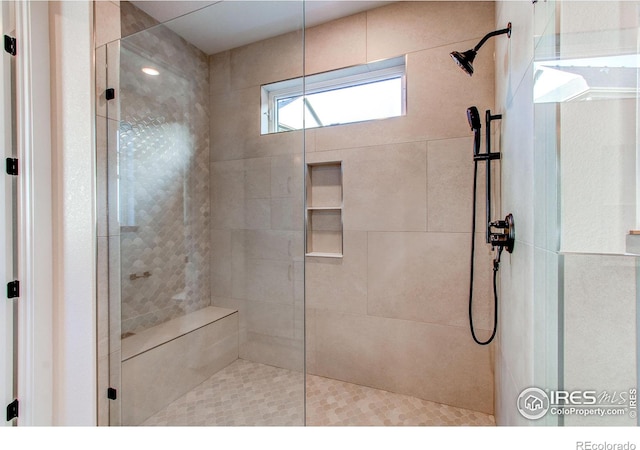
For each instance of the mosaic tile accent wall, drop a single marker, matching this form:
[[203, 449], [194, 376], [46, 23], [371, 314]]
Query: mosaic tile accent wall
[[163, 178], [133, 20]]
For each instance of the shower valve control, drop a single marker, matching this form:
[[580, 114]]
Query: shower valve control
[[504, 238]]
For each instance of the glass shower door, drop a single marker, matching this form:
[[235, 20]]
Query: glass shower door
[[586, 94], [209, 248]]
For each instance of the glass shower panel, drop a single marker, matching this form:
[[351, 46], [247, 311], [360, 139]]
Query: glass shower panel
[[209, 218], [546, 259], [586, 82]]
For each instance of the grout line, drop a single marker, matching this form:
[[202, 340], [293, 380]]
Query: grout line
[[426, 178], [366, 36], [408, 141], [417, 231], [435, 324], [366, 274]]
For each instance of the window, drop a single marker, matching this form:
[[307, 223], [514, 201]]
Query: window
[[354, 94]]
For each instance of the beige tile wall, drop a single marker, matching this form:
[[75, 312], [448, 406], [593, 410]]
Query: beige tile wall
[[401, 323], [392, 312], [257, 203]]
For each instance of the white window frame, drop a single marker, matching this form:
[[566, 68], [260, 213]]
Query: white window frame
[[328, 81]]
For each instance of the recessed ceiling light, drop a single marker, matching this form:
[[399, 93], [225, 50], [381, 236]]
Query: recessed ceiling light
[[150, 71]]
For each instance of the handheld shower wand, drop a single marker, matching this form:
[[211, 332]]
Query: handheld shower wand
[[499, 240], [474, 122]]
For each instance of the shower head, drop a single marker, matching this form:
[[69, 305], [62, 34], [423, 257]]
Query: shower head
[[464, 60], [474, 118]]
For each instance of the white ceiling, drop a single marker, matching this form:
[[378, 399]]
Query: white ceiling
[[215, 26]]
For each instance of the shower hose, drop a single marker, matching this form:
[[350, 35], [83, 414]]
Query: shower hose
[[496, 266]]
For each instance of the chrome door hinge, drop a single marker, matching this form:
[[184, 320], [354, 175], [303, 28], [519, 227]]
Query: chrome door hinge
[[12, 166], [13, 289], [10, 45], [12, 410]]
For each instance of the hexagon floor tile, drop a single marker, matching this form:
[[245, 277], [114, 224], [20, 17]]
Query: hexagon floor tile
[[247, 393]]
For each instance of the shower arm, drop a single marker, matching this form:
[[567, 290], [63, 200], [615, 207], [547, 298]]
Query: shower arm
[[506, 31]]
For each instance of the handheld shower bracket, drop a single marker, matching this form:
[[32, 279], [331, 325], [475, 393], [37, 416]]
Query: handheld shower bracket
[[487, 156]]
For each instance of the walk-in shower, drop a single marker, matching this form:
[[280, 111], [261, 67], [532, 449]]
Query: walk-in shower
[[301, 276]]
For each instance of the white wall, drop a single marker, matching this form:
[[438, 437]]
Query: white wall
[[514, 99], [74, 337], [34, 214], [56, 362]]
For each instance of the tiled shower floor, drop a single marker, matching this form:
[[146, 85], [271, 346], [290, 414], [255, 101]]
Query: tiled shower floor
[[247, 393]]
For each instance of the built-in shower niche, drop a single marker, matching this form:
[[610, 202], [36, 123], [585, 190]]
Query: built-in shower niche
[[324, 210]]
